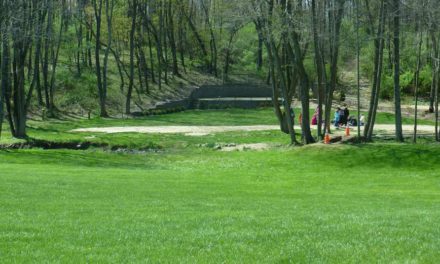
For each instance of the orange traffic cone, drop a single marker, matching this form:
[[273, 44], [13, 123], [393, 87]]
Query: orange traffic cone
[[347, 131], [327, 138]]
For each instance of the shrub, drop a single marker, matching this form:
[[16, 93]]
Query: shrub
[[425, 80], [387, 87], [407, 82]]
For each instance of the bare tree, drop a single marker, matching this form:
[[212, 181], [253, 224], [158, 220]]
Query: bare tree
[[397, 107], [336, 12], [133, 9], [97, 7], [109, 9], [379, 44]]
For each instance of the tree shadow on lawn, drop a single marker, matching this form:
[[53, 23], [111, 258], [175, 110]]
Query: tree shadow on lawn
[[408, 156]]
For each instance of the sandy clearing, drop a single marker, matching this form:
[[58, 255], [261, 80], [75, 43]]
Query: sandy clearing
[[207, 130], [405, 128], [389, 129], [188, 130]]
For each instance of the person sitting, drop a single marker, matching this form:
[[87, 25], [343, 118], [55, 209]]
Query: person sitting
[[362, 120], [314, 119], [352, 121]]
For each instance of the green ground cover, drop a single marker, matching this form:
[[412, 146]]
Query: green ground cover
[[58, 130], [285, 205], [190, 204]]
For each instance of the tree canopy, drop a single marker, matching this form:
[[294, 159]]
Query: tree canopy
[[95, 52]]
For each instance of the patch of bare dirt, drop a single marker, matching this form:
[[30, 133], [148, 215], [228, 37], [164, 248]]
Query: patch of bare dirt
[[405, 128], [208, 130], [187, 130], [244, 147]]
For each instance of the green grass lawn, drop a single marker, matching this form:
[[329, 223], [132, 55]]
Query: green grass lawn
[[192, 204], [263, 116], [284, 205], [58, 130]]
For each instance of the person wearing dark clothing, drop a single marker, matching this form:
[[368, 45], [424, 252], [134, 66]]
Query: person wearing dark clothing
[[342, 117], [347, 112], [344, 114], [352, 121]]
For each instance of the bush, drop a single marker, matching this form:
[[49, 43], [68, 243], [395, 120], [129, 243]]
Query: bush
[[425, 80], [387, 87], [367, 59], [80, 91], [407, 82]]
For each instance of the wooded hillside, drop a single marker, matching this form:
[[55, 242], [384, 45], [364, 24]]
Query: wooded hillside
[[110, 56]]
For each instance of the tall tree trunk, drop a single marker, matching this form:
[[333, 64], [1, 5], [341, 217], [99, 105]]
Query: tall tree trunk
[[398, 113], [260, 35], [47, 51], [172, 38], [164, 31], [358, 71], [133, 9], [55, 63], [18, 95], [320, 68], [109, 8], [36, 80], [159, 49], [97, 4], [416, 92], [200, 42], [298, 59], [37, 59], [436, 81], [150, 49], [435, 51], [379, 44], [233, 32], [79, 35], [336, 17], [139, 69], [5, 82], [182, 41], [282, 117], [89, 49], [213, 44], [144, 68], [286, 102]]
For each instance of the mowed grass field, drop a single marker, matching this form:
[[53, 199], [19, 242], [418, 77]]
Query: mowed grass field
[[192, 204]]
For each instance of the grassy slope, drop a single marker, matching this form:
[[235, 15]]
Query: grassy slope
[[57, 130], [303, 205], [335, 204]]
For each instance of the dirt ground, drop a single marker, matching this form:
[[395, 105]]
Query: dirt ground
[[207, 130], [187, 130], [243, 147]]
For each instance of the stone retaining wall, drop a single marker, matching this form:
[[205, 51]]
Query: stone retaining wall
[[246, 96]]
